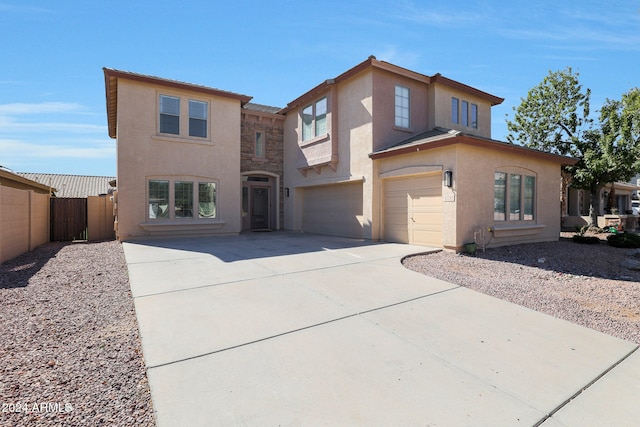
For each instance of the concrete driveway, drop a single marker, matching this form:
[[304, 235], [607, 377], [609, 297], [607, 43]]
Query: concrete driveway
[[293, 329]]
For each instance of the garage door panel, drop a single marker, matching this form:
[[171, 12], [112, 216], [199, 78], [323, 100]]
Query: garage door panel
[[333, 210], [413, 210]]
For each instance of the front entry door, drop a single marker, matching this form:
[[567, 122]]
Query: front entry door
[[259, 207]]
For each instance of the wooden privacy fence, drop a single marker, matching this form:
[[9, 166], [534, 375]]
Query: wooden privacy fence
[[88, 218], [68, 219]]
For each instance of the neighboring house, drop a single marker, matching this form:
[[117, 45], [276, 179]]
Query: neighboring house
[[615, 206], [75, 186], [379, 152]]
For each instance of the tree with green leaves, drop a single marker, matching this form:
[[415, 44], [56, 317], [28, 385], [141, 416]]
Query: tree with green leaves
[[554, 117]]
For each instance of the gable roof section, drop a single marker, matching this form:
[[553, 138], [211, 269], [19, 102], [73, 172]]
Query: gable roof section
[[111, 77], [439, 78], [440, 137], [72, 185], [371, 61], [392, 68]]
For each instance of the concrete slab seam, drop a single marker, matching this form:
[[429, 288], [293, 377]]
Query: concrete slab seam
[[298, 329], [230, 282], [583, 389]]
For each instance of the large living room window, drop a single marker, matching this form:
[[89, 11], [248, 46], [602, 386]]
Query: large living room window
[[514, 197], [169, 114], [158, 199], [206, 199], [180, 199], [314, 119], [402, 107], [183, 204]]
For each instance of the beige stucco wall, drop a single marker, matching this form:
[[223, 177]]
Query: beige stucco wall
[[99, 218], [440, 115], [143, 154], [386, 133], [469, 205], [24, 221], [351, 112]]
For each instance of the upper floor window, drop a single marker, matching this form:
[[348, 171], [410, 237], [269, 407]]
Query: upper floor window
[[169, 114], [198, 118], [514, 197], [464, 113], [455, 107], [402, 106], [474, 116], [314, 119], [259, 149]]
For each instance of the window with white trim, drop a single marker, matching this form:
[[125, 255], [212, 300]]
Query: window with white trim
[[314, 119], [198, 113], [180, 199], [514, 197], [169, 114], [402, 106], [455, 110]]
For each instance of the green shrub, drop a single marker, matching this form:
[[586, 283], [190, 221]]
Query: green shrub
[[624, 240]]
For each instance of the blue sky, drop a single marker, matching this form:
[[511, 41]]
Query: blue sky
[[52, 100]]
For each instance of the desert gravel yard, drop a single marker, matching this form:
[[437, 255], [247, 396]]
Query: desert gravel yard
[[70, 347], [584, 284], [70, 350]]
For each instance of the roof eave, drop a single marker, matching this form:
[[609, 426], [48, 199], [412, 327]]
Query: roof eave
[[471, 140]]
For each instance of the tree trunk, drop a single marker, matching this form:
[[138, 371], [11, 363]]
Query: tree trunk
[[594, 206]]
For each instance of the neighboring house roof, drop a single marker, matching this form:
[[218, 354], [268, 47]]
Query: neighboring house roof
[[440, 137], [72, 185], [111, 77], [14, 180]]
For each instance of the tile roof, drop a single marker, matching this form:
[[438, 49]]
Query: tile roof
[[261, 108], [73, 185]]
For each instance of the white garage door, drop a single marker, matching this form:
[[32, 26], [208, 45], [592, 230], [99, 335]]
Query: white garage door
[[413, 210], [335, 210]]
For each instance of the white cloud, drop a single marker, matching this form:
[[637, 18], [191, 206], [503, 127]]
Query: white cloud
[[393, 54], [39, 108], [82, 150]]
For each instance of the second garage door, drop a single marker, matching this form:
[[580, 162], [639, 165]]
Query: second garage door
[[413, 210], [333, 209]]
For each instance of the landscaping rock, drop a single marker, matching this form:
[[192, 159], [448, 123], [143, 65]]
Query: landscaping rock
[[630, 263]]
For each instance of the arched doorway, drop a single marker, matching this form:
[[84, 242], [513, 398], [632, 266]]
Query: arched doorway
[[260, 201]]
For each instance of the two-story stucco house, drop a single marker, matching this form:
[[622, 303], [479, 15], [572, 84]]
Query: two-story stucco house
[[379, 152]]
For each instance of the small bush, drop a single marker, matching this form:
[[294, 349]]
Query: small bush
[[624, 240], [587, 240]]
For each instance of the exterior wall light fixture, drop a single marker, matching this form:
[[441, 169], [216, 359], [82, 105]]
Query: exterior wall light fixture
[[448, 178]]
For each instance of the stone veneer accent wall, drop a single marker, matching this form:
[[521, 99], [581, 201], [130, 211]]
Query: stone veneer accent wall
[[272, 127]]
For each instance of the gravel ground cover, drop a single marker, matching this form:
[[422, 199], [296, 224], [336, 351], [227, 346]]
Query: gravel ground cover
[[70, 350], [584, 284]]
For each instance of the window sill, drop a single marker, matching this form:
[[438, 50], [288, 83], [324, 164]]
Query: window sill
[[182, 139], [401, 129], [259, 159], [315, 140], [182, 225], [506, 230]]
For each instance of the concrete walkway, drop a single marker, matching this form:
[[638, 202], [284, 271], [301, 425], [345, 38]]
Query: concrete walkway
[[272, 329]]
